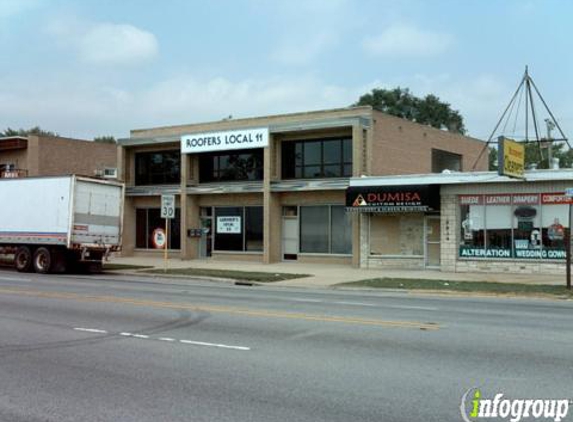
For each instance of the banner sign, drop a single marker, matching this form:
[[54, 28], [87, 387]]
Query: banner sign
[[225, 141], [473, 252], [511, 158], [229, 225], [392, 199], [556, 198]]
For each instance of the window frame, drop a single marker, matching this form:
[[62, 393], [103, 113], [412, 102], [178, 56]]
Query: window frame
[[243, 229], [172, 223], [146, 178], [215, 169], [298, 171], [329, 225]]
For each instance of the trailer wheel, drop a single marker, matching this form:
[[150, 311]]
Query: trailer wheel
[[42, 261], [23, 259]]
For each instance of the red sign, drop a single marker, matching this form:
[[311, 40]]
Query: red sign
[[498, 200], [158, 239], [526, 199], [556, 198]]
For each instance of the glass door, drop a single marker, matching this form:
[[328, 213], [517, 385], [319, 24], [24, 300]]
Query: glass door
[[432, 258]]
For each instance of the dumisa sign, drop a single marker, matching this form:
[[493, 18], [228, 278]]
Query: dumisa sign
[[224, 141], [389, 199]]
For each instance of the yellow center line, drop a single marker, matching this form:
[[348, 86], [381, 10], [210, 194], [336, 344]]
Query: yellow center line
[[222, 309]]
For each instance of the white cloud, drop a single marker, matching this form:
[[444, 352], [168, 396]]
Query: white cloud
[[402, 40], [105, 43], [178, 100], [108, 43]]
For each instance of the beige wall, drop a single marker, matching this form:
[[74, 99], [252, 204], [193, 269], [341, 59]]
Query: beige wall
[[56, 156], [403, 147]]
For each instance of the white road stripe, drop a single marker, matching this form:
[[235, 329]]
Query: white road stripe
[[140, 336], [294, 299], [91, 330], [125, 334], [166, 339], [223, 346], [354, 303]]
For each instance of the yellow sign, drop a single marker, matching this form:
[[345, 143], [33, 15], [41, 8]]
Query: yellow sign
[[511, 158]]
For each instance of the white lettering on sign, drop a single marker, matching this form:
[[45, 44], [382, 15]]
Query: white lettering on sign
[[526, 199], [223, 141], [470, 199], [229, 225], [555, 198]]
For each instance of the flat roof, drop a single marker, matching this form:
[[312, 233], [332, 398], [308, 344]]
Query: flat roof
[[454, 178]]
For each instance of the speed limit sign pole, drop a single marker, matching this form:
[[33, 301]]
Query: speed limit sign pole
[[167, 212], [165, 249]]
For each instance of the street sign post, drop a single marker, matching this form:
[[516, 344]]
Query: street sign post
[[168, 213]]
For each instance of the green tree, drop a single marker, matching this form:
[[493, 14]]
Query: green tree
[[105, 139], [429, 110], [36, 130]]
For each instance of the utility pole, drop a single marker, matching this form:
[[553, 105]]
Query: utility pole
[[550, 127]]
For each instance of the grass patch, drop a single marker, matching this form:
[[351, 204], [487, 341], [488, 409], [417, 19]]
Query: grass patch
[[461, 286], [113, 267], [235, 275]]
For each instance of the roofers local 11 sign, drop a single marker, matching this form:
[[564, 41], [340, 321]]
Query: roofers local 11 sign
[[224, 141]]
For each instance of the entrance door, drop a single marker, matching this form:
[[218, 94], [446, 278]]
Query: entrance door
[[432, 258], [290, 233], [206, 240]]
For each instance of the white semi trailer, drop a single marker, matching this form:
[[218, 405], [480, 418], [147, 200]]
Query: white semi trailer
[[52, 224]]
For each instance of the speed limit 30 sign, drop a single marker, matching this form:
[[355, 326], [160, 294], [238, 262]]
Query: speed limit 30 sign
[[168, 206]]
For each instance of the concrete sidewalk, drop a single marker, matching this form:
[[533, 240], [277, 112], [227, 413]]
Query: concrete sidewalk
[[322, 275]]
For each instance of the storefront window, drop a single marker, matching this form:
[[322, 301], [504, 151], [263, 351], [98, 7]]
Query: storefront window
[[314, 229], [554, 222], [521, 226], [498, 219], [325, 229], [158, 168], [397, 235], [231, 166], [308, 159], [149, 219], [472, 221], [239, 229]]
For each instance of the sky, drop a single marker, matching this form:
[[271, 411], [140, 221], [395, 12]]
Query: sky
[[103, 67]]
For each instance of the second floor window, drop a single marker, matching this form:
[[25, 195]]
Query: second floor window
[[231, 166], [310, 159], [158, 168]]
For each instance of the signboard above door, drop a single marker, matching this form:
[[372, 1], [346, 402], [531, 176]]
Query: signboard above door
[[393, 199]]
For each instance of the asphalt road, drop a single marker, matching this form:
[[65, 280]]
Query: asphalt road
[[115, 348]]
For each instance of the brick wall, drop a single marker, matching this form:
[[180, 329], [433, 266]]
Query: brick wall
[[403, 147], [56, 156]]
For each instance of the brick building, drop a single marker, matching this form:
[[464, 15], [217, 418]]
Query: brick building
[[272, 188], [50, 156]]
